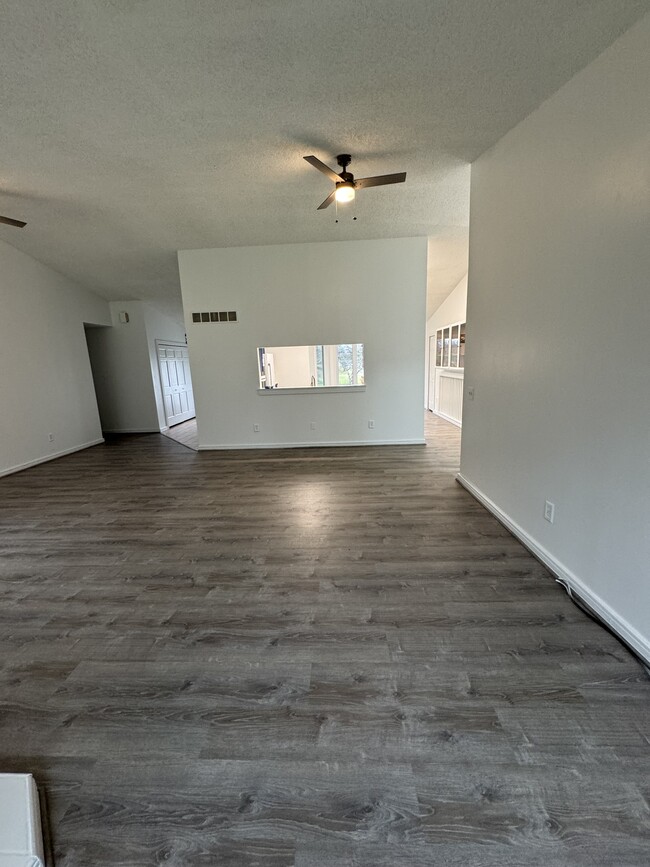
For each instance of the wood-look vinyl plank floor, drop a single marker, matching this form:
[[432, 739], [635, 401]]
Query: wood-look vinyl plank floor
[[185, 433], [305, 658]]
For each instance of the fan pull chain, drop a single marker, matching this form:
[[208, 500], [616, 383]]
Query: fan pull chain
[[336, 206]]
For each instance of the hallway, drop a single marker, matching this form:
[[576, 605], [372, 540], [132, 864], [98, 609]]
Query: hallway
[[310, 657]]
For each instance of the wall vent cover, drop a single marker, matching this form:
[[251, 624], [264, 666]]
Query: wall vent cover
[[215, 316]]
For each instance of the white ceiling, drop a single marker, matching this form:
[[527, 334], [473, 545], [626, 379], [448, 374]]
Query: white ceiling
[[133, 128]]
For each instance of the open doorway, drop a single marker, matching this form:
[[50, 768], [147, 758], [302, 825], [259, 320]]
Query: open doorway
[[93, 334], [177, 392], [175, 382], [446, 372]]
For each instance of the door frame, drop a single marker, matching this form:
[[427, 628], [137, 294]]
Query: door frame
[[431, 379]]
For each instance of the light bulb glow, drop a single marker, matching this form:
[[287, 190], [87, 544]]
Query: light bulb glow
[[344, 192]]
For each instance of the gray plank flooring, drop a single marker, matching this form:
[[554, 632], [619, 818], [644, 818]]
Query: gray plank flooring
[[301, 658], [186, 433]]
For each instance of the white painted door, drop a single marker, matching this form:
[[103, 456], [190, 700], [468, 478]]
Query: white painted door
[[432, 374], [176, 382]]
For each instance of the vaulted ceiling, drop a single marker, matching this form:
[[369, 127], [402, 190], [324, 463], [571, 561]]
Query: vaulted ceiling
[[133, 128]]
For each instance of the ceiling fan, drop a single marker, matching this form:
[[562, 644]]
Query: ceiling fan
[[346, 186], [18, 223]]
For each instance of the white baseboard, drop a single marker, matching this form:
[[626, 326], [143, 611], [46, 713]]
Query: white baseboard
[[51, 457], [21, 834], [447, 417], [618, 624], [133, 430], [229, 446]]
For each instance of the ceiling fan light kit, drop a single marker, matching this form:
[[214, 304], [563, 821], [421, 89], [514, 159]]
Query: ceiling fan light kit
[[344, 192], [346, 186]]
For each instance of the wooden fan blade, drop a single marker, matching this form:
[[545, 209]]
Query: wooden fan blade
[[328, 201], [380, 180], [10, 222], [320, 165]]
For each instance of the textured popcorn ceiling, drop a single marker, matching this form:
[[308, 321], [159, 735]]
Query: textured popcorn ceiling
[[130, 129]]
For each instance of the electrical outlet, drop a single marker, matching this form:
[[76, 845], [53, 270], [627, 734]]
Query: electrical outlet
[[549, 511], [371, 424], [470, 393], [256, 428], [50, 438], [312, 425]]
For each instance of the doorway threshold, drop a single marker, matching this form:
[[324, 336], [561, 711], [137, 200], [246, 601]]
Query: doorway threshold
[[184, 433]]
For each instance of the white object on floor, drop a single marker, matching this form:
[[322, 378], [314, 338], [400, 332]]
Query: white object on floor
[[21, 839]]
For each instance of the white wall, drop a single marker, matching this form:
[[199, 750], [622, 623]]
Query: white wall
[[370, 292], [453, 309], [47, 384], [125, 367], [122, 371], [558, 353]]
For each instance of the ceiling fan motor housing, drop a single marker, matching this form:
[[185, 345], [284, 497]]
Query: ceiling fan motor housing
[[344, 161]]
